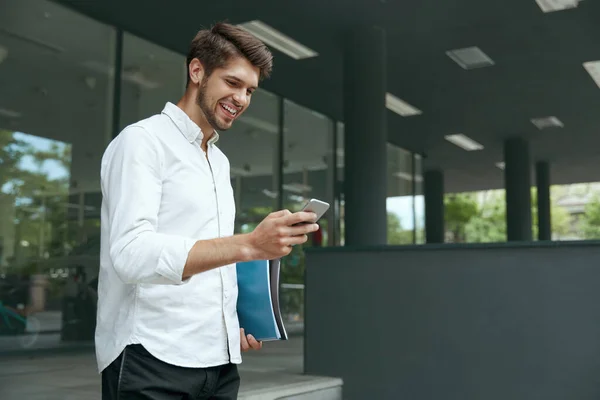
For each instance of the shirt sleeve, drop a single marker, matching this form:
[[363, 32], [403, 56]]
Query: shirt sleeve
[[131, 179]]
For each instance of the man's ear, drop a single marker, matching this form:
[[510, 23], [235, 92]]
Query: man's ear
[[196, 71]]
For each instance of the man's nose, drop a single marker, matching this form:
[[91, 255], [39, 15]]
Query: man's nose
[[240, 98]]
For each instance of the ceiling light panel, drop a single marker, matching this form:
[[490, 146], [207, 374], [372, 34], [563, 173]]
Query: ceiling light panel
[[547, 122], [4, 112], [593, 68], [464, 142], [400, 107], [278, 40], [407, 177], [556, 5], [470, 58]]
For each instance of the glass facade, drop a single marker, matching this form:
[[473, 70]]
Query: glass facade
[[338, 204], [56, 107], [69, 84], [419, 200], [252, 146], [150, 76], [405, 203]]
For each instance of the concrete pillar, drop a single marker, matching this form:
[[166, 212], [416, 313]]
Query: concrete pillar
[[433, 187], [517, 178], [542, 178], [365, 186]]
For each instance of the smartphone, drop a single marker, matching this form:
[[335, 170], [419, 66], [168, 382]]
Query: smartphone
[[317, 206]]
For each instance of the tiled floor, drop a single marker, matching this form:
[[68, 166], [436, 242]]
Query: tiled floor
[[65, 376]]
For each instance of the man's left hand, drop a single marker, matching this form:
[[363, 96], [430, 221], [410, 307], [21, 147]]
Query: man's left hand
[[248, 342]]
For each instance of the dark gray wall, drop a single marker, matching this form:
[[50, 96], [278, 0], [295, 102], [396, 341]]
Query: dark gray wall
[[442, 322]]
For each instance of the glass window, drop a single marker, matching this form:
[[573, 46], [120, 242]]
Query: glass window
[[252, 148], [55, 122], [307, 173], [419, 211], [400, 199], [475, 217], [339, 199], [307, 162], [151, 76]]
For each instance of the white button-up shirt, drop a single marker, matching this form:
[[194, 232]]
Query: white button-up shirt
[[160, 195]]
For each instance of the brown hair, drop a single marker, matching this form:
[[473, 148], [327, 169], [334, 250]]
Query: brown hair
[[216, 46]]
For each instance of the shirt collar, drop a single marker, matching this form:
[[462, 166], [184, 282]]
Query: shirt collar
[[186, 126]]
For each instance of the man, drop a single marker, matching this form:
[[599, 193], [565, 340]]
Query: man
[[167, 325]]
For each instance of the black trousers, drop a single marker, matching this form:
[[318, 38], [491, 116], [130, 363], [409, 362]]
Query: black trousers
[[138, 375]]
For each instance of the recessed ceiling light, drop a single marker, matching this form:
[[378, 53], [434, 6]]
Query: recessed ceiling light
[[138, 78], [556, 5], [593, 68], [464, 142], [259, 124], [278, 40], [130, 74], [407, 177], [501, 165], [400, 107], [9, 113], [547, 122], [269, 193], [297, 187], [470, 57]]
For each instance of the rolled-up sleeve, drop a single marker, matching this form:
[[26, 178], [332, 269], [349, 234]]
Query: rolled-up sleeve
[[131, 176]]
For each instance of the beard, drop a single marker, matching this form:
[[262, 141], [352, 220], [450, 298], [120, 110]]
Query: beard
[[208, 112]]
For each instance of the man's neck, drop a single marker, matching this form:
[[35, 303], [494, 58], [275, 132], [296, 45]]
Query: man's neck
[[188, 104]]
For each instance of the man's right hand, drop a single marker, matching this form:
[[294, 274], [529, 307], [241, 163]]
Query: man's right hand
[[274, 237]]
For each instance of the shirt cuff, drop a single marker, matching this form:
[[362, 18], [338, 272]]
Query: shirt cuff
[[173, 257]]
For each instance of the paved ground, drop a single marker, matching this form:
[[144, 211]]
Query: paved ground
[[66, 375]]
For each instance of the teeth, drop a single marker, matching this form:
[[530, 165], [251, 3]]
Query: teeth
[[231, 110]]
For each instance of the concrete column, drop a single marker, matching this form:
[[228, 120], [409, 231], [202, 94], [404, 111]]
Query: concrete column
[[365, 186], [517, 178], [542, 178], [433, 188]]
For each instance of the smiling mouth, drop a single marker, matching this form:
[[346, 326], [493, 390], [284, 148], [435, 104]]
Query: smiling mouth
[[232, 112]]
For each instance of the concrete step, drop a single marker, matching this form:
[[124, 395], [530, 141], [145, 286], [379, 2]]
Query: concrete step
[[286, 386]]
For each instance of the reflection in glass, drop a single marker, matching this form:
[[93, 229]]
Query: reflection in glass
[[339, 198], [55, 121], [419, 212], [151, 76], [308, 172], [251, 146], [400, 200]]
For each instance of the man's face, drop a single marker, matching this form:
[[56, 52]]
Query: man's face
[[226, 93]]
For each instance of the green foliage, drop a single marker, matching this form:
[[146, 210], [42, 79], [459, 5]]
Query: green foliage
[[396, 234], [460, 209], [483, 220], [590, 224], [560, 218], [37, 202]]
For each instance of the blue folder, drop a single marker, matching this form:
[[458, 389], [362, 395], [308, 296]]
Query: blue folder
[[258, 307]]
